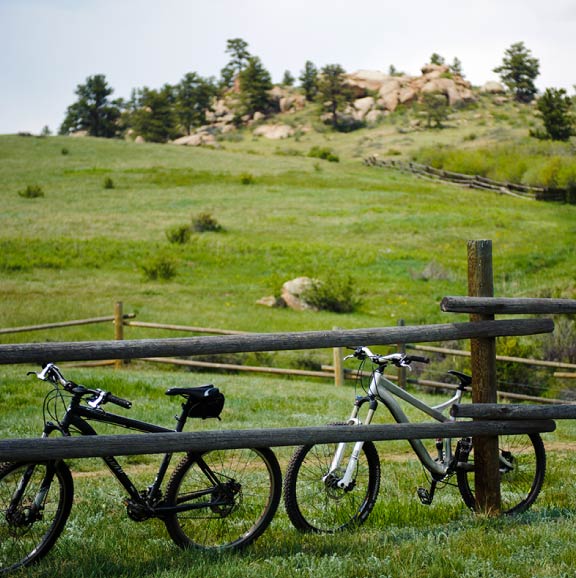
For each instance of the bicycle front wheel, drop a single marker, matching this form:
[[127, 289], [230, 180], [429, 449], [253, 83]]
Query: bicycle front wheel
[[522, 471], [35, 502], [227, 498], [314, 501]]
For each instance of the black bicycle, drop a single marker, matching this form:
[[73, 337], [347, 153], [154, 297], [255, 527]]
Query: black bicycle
[[214, 500]]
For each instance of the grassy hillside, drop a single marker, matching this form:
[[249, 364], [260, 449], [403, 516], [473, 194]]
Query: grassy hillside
[[82, 246]]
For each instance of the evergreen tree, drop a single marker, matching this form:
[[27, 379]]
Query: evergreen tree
[[154, 116], [255, 84], [309, 81], [239, 59], [555, 108], [437, 59], [436, 107], [456, 67], [518, 71], [288, 79], [193, 96], [93, 111], [333, 92]]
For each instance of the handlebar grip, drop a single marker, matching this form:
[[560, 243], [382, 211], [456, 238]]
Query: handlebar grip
[[418, 358], [110, 398]]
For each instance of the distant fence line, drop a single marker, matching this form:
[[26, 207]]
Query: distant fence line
[[475, 181], [334, 372]]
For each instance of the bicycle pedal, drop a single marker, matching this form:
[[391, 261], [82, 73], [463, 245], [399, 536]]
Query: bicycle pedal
[[424, 496]]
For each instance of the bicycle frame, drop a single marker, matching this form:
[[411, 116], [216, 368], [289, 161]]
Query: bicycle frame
[[383, 390], [76, 416]]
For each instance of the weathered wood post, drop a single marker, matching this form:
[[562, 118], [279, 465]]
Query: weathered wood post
[[401, 370], [118, 328], [483, 363], [338, 353]]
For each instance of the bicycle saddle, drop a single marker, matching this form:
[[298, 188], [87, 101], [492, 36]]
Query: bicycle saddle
[[196, 393], [465, 380]]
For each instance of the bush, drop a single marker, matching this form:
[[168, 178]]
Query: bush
[[247, 179], [179, 234], [108, 183], [32, 192], [323, 153], [159, 269], [205, 222], [338, 295]]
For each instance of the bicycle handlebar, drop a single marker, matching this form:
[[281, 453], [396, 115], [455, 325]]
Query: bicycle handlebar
[[397, 359], [52, 374]]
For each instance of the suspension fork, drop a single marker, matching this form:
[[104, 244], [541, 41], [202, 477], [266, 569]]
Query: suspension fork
[[38, 504], [345, 481]]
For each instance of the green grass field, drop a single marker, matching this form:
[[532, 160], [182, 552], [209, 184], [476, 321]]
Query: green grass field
[[75, 251], [402, 538], [83, 245]]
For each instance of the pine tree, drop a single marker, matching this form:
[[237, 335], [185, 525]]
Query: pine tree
[[309, 81], [255, 84], [333, 92], [518, 72], [555, 108], [193, 96], [93, 111]]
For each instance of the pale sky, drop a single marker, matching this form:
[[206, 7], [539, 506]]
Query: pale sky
[[48, 47]]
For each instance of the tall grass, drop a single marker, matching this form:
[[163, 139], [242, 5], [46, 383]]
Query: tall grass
[[541, 164], [402, 538]]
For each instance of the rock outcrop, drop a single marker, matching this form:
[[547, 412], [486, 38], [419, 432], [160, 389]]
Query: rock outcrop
[[376, 91], [376, 94]]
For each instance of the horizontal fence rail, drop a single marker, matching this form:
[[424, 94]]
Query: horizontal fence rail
[[497, 305], [60, 324], [138, 444], [464, 353], [512, 411], [180, 347]]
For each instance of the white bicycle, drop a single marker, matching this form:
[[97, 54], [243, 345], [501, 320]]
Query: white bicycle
[[331, 487]]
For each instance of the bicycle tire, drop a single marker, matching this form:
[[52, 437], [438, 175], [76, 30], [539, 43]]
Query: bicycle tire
[[24, 542], [316, 506], [250, 486], [519, 485]]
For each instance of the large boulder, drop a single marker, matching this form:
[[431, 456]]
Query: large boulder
[[493, 87], [294, 293], [274, 131]]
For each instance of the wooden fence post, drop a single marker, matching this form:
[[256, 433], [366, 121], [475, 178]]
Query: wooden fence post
[[483, 363], [401, 370], [118, 328], [338, 364]]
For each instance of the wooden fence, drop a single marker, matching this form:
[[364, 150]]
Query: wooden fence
[[138, 444], [475, 181], [482, 330], [335, 372]]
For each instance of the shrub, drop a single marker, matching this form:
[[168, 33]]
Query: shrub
[[338, 295], [159, 269], [247, 179], [323, 153], [179, 234], [32, 192], [64, 151], [205, 222], [108, 183]]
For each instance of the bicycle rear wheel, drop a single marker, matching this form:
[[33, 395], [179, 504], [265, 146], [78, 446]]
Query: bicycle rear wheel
[[233, 495], [522, 471], [315, 503], [29, 529]]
